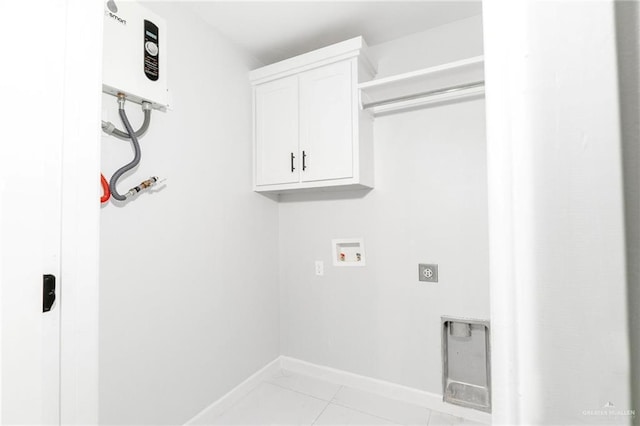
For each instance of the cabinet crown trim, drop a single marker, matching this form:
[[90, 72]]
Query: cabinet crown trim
[[355, 47]]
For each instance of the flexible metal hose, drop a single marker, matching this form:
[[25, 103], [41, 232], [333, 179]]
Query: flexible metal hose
[[110, 129], [136, 159]]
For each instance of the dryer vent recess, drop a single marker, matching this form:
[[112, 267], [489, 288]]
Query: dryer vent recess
[[466, 363]]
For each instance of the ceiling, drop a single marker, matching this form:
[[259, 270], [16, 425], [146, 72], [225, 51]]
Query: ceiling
[[272, 31]]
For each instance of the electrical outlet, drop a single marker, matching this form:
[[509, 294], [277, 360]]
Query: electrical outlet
[[319, 268], [428, 272]]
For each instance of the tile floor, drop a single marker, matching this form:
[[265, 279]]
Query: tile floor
[[293, 399]]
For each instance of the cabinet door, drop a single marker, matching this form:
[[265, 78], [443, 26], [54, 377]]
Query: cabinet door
[[276, 121], [326, 122]]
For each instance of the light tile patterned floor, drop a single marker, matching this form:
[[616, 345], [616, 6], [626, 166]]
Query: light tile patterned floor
[[293, 399]]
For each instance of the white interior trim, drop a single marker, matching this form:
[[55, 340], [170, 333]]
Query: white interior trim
[[80, 223], [501, 79], [390, 390], [355, 47], [236, 394]]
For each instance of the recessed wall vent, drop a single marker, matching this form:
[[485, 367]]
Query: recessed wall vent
[[466, 363]]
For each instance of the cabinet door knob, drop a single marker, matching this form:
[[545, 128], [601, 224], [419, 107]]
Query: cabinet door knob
[[292, 158], [304, 161]]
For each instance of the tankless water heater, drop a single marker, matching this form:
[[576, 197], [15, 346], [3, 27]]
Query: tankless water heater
[[135, 53]]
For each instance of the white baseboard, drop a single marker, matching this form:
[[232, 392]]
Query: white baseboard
[[414, 396], [205, 416]]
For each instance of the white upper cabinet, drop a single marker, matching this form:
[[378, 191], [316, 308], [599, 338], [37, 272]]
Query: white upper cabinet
[[326, 122], [276, 127], [309, 129]]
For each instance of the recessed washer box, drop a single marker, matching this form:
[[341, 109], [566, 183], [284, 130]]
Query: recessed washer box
[[348, 252]]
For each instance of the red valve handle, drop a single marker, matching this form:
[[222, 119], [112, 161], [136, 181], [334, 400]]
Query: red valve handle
[[106, 193]]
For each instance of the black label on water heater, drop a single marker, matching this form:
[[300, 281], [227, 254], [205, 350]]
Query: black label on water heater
[[151, 50]]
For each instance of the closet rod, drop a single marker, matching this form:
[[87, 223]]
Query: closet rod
[[443, 91]]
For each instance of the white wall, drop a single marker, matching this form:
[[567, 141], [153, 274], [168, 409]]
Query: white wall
[[628, 33], [429, 205], [556, 213], [189, 295]]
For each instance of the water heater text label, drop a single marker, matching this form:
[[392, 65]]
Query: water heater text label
[[115, 17]]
